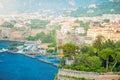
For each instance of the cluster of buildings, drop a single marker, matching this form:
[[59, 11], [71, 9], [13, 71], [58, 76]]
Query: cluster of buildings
[[71, 31], [19, 30], [109, 31]]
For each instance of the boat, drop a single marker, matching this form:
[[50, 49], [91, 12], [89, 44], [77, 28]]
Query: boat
[[3, 50]]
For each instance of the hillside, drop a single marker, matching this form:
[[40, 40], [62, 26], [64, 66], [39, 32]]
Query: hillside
[[21, 6], [104, 8]]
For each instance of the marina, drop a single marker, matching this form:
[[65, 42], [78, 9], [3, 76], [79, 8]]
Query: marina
[[19, 66]]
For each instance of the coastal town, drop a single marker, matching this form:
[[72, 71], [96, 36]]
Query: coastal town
[[80, 30], [66, 42]]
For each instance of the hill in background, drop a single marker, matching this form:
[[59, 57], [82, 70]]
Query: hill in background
[[112, 7]]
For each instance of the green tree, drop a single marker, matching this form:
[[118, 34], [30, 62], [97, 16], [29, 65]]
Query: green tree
[[81, 59], [105, 55], [108, 44], [88, 49], [31, 38], [86, 62], [107, 20], [57, 26], [36, 23], [8, 24], [62, 61], [70, 49], [98, 42], [84, 49], [116, 55], [94, 62]]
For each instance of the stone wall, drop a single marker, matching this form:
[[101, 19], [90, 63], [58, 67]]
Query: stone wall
[[88, 75]]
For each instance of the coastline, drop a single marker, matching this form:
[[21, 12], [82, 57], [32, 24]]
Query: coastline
[[27, 55], [21, 64], [44, 61], [12, 52], [16, 40]]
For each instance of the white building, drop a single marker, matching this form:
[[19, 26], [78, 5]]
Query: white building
[[80, 30], [65, 29]]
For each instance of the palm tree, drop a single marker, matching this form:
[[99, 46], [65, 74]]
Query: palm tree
[[105, 54], [116, 57]]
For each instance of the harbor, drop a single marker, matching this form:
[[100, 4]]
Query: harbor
[[31, 50], [19, 65]]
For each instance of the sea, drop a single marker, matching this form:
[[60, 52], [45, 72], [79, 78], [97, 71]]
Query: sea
[[21, 67]]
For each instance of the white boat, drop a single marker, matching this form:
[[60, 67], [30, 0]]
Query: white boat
[[3, 50], [20, 51]]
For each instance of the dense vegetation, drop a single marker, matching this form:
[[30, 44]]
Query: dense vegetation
[[36, 23], [102, 56], [45, 38], [85, 25], [8, 24], [104, 8]]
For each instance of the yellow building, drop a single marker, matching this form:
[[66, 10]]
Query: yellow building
[[110, 31]]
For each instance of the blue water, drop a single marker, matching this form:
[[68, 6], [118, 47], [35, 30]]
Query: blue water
[[53, 60], [5, 44], [20, 67]]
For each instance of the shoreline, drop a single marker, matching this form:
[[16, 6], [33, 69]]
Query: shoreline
[[22, 63], [27, 55], [44, 61], [17, 40], [48, 63], [13, 40]]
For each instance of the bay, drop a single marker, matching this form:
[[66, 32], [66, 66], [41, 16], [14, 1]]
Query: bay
[[20, 67]]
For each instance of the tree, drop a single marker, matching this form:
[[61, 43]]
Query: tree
[[84, 49], [88, 49], [81, 59], [98, 42], [8, 24], [116, 58], [45, 38], [62, 61], [108, 44], [107, 20], [86, 62], [70, 49], [85, 25], [116, 55], [94, 62], [105, 54], [57, 26], [31, 38], [36, 23]]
